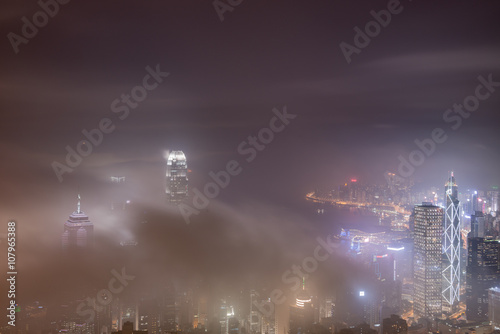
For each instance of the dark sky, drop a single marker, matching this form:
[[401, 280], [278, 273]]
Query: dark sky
[[225, 78], [353, 120]]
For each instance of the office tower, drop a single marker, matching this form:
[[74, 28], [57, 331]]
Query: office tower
[[494, 306], [477, 226], [384, 267], [226, 313], [149, 316], [326, 307], [302, 312], [129, 313], [475, 202], [177, 178], [200, 318], [343, 193], [483, 272], [255, 316], [261, 315], [186, 310], [402, 251], [354, 191], [427, 260], [268, 323], [451, 246], [78, 231], [494, 197], [169, 310], [394, 325], [118, 193]]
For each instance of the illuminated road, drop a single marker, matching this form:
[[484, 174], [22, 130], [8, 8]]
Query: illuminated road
[[396, 209], [460, 312]]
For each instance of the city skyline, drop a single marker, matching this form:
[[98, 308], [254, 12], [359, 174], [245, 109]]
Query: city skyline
[[185, 167]]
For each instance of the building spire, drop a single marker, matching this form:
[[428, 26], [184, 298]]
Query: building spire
[[78, 205]]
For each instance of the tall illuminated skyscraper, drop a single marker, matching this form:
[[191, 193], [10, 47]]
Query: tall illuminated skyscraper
[[427, 260], [78, 231], [177, 177], [494, 197], [302, 312], [451, 246]]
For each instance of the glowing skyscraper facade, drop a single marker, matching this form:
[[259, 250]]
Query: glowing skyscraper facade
[[451, 246], [78, 231], [177, 177], [427, 260]]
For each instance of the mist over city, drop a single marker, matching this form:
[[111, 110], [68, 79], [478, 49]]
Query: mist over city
[[250, 167]]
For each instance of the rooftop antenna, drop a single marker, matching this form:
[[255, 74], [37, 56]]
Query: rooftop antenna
[[78, 206]]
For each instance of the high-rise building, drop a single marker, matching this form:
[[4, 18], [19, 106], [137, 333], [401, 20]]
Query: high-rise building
[[302, 312], [78, 231], [118, 193], [475, 202], [494, 306], [451, 246], [483, 273], [477, 227], [427, 260], [129, 313], [494, 197], [177, 177], [168, 305]]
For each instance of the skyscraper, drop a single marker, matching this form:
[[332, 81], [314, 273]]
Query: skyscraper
[[494, 197], [477, 225], [427, 260], [118, 193], [78, 231], [177, 178], [494, 306], [451, 246], [302, 312], [475, 202], [483, 273]]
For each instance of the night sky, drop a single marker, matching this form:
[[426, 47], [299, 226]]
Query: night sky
[[225, 78]]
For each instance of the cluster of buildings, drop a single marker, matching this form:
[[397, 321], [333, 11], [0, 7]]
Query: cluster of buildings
[[461, 263], [429, 267], [78, 229], [447, 262]]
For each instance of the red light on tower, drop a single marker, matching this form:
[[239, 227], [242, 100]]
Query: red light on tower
[[354, 180]]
